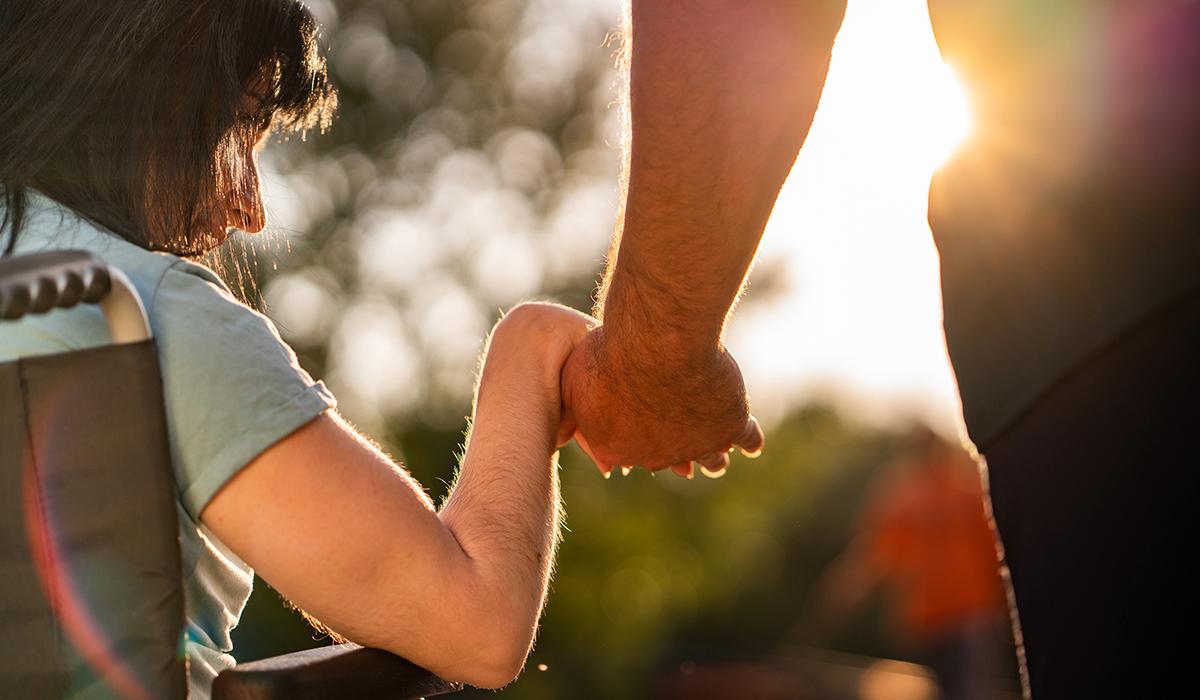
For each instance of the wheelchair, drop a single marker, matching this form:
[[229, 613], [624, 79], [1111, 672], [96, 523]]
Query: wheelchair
[[91, 587]]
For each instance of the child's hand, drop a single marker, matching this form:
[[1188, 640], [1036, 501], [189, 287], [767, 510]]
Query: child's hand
[[528, 349]]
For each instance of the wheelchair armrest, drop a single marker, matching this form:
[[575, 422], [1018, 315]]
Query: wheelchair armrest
[[342, 671], [39, 282]]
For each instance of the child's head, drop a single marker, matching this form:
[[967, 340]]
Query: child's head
[[143, 115]]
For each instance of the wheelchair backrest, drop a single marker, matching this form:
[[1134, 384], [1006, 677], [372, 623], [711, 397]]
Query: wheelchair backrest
[[90, 572]]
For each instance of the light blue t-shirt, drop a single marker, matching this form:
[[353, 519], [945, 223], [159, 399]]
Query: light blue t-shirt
[[231, 389]]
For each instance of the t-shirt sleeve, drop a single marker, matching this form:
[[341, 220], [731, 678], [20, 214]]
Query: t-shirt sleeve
[[231, 386]]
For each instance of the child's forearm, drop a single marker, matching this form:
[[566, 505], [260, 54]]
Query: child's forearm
[[504, 507]]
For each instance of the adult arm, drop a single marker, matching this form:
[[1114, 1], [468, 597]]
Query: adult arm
[[346, 534], [721, 97]]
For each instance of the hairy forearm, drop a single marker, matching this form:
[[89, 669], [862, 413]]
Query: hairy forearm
[[504, 507], [721, 96]]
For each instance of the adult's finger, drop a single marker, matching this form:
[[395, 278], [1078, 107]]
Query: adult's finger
[[684, 469], [714, 464], [714, 461], [751, 441], [606, 470]]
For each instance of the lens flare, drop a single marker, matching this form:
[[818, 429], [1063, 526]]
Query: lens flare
[[68, 602]]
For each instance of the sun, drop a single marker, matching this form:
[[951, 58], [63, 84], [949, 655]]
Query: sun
[[949, 104]]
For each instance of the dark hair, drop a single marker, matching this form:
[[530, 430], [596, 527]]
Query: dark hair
[[131, 112]]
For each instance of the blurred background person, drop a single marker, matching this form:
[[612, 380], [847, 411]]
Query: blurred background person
[[924, 542]]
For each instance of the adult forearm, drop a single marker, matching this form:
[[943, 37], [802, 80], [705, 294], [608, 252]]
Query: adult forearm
[[721, 96]]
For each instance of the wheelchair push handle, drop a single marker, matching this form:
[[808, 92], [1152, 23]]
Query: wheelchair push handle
[[39, 282]]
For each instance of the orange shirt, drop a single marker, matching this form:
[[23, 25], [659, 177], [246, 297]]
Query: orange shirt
[[934, 548]]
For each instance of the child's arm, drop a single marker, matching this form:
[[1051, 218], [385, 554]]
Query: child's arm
[[350, 537]]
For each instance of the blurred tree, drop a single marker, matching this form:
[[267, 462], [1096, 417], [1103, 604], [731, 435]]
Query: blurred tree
[[473, 164]]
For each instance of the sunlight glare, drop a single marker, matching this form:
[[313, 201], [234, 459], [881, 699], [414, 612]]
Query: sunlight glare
[[861, 322], [953, 123]]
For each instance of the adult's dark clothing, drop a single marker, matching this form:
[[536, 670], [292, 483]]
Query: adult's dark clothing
[[1067, 230], [1093, 494], [1073, 212]]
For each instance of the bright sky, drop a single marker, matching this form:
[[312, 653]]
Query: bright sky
[[860, 322]]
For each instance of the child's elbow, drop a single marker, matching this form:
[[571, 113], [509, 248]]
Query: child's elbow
[[485, 642], [498, 672], [496, 659], [509, 640]]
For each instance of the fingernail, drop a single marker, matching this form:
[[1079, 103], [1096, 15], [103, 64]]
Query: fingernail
[[626, 471], [753, 455], [712, 474], [607, 474]]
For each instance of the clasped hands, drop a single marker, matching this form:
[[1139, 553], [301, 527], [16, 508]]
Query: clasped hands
[[638, 402]]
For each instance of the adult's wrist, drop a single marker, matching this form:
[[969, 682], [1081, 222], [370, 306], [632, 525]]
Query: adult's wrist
[[647, 366], [642, 318]]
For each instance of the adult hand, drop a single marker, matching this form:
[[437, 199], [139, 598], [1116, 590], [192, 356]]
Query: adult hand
[[656, 410]]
